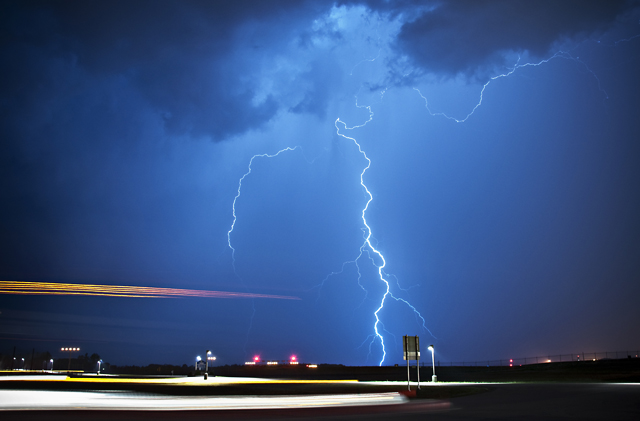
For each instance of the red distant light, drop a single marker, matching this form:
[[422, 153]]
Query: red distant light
[[256, 358], [293, 358], [510, 361]]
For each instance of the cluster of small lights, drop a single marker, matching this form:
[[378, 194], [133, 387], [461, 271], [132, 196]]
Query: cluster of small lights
[[293, 360], [312, 365], [69, 349]]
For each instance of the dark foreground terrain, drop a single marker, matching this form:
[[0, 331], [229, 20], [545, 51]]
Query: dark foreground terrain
[[621, 370], [557, 391]]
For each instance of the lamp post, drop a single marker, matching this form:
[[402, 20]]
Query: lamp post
[[51, 361], [206, 366], [99, 362], [209, 358], [434, 378]]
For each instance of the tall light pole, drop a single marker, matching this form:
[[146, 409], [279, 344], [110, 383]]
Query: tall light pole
[[434, 378], [206, 365], [99, 362], [70, 351], [209, 358]]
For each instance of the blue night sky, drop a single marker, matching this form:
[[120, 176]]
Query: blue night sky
[[502, 139]]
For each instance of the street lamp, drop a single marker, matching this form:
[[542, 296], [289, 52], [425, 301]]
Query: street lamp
[[206, 366], [99, 362], [51, 361], [434, 378]]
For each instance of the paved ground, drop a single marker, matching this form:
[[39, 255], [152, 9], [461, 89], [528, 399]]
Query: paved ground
[[523, 401]]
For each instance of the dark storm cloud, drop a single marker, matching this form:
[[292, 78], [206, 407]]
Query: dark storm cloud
[[182, 57], [468, 36], [87, 87]]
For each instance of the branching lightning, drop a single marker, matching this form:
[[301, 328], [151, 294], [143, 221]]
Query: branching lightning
[[233, 224], [372, 253], [368, 247], [235, 199], [517, 66]]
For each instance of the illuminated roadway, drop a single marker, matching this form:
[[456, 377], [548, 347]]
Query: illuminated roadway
[[500, 401]]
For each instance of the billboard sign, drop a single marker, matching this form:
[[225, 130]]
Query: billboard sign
[[411, 347]]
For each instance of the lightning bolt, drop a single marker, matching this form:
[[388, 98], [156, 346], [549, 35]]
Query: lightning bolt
[[517, 66], [367, 245], [239, 192], [375, 256], [369, 248], [233, 225]]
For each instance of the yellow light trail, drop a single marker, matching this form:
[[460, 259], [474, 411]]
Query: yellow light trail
[[55, 288], [186, 381]]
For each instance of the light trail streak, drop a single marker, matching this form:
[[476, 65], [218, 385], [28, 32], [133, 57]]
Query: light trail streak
[[16, 400], [55, 288]]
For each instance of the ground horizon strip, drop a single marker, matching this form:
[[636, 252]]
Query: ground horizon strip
[[56, 288]]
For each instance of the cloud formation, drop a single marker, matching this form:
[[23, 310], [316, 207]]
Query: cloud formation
[[468, 37], [194, 63]]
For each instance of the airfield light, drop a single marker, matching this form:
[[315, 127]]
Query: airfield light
[[256, 358]]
